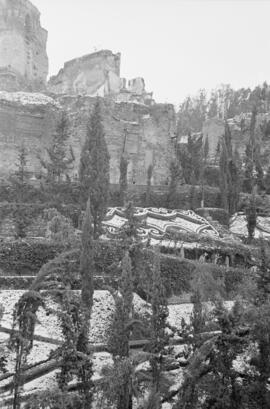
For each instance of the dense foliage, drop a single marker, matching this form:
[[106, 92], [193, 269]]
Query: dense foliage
[[59, 158], [230, 186], [94, 169], [223, 102], [22, 257]]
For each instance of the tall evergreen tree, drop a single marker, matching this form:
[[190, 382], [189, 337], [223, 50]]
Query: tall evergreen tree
[[251, 216], [253, 170], [87, 291], [204, 154], [124, 311], [267, 181], [175, 171], [20, 175], [149, 183], [263, 280], [259, 317], [87, 260], [123, 183], [229, 174], [60, 157], [94, 169], [159, 337], [129, 231], [190, 158], [20, 187], [120, 335]]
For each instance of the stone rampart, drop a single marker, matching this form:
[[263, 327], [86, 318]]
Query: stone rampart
[[23, 57], [143, 132]]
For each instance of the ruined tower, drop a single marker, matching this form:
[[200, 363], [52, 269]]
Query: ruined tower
[[96, 74], [23, 57]]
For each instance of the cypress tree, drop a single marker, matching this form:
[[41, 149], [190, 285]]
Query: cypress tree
[[253, 169], [87, 291], [123, 313], [267, 181], [197, 317], [263, 281], [19, 180], [59, 160], [159, 338], [20, 187], [94, 169], [120, 335], [205, 153], [190, 158], [175, 176], [87, 260], [251, 216], [192, 194], [123, 183], [229, 174], [223, 164], [129, 231], [149, 183]]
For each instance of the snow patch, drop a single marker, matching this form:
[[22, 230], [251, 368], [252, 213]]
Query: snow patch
[[27, 98]]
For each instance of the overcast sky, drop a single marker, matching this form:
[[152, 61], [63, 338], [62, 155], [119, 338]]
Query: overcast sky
[[178, 46]]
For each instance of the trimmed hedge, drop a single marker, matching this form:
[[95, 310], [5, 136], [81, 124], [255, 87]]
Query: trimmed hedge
[[24, 258], [16, 282], [25, 282]]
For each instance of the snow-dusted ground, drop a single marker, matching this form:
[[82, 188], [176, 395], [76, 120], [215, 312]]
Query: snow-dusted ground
[[28, 98], [48, 326]]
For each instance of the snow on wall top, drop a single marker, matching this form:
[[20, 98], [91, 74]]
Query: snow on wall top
[[27, 98]]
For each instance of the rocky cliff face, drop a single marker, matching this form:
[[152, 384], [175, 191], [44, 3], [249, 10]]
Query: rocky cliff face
[[143, 132], [23, 57], [29, 119]]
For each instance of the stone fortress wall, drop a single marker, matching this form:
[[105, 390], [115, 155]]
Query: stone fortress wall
[[133, 122], [23, 57], [25, 119], [98, 75], [143, 132]]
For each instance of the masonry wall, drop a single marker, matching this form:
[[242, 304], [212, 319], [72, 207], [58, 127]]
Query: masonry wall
[[23, 57], [31, 125], [96, 74], [145, 132]]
